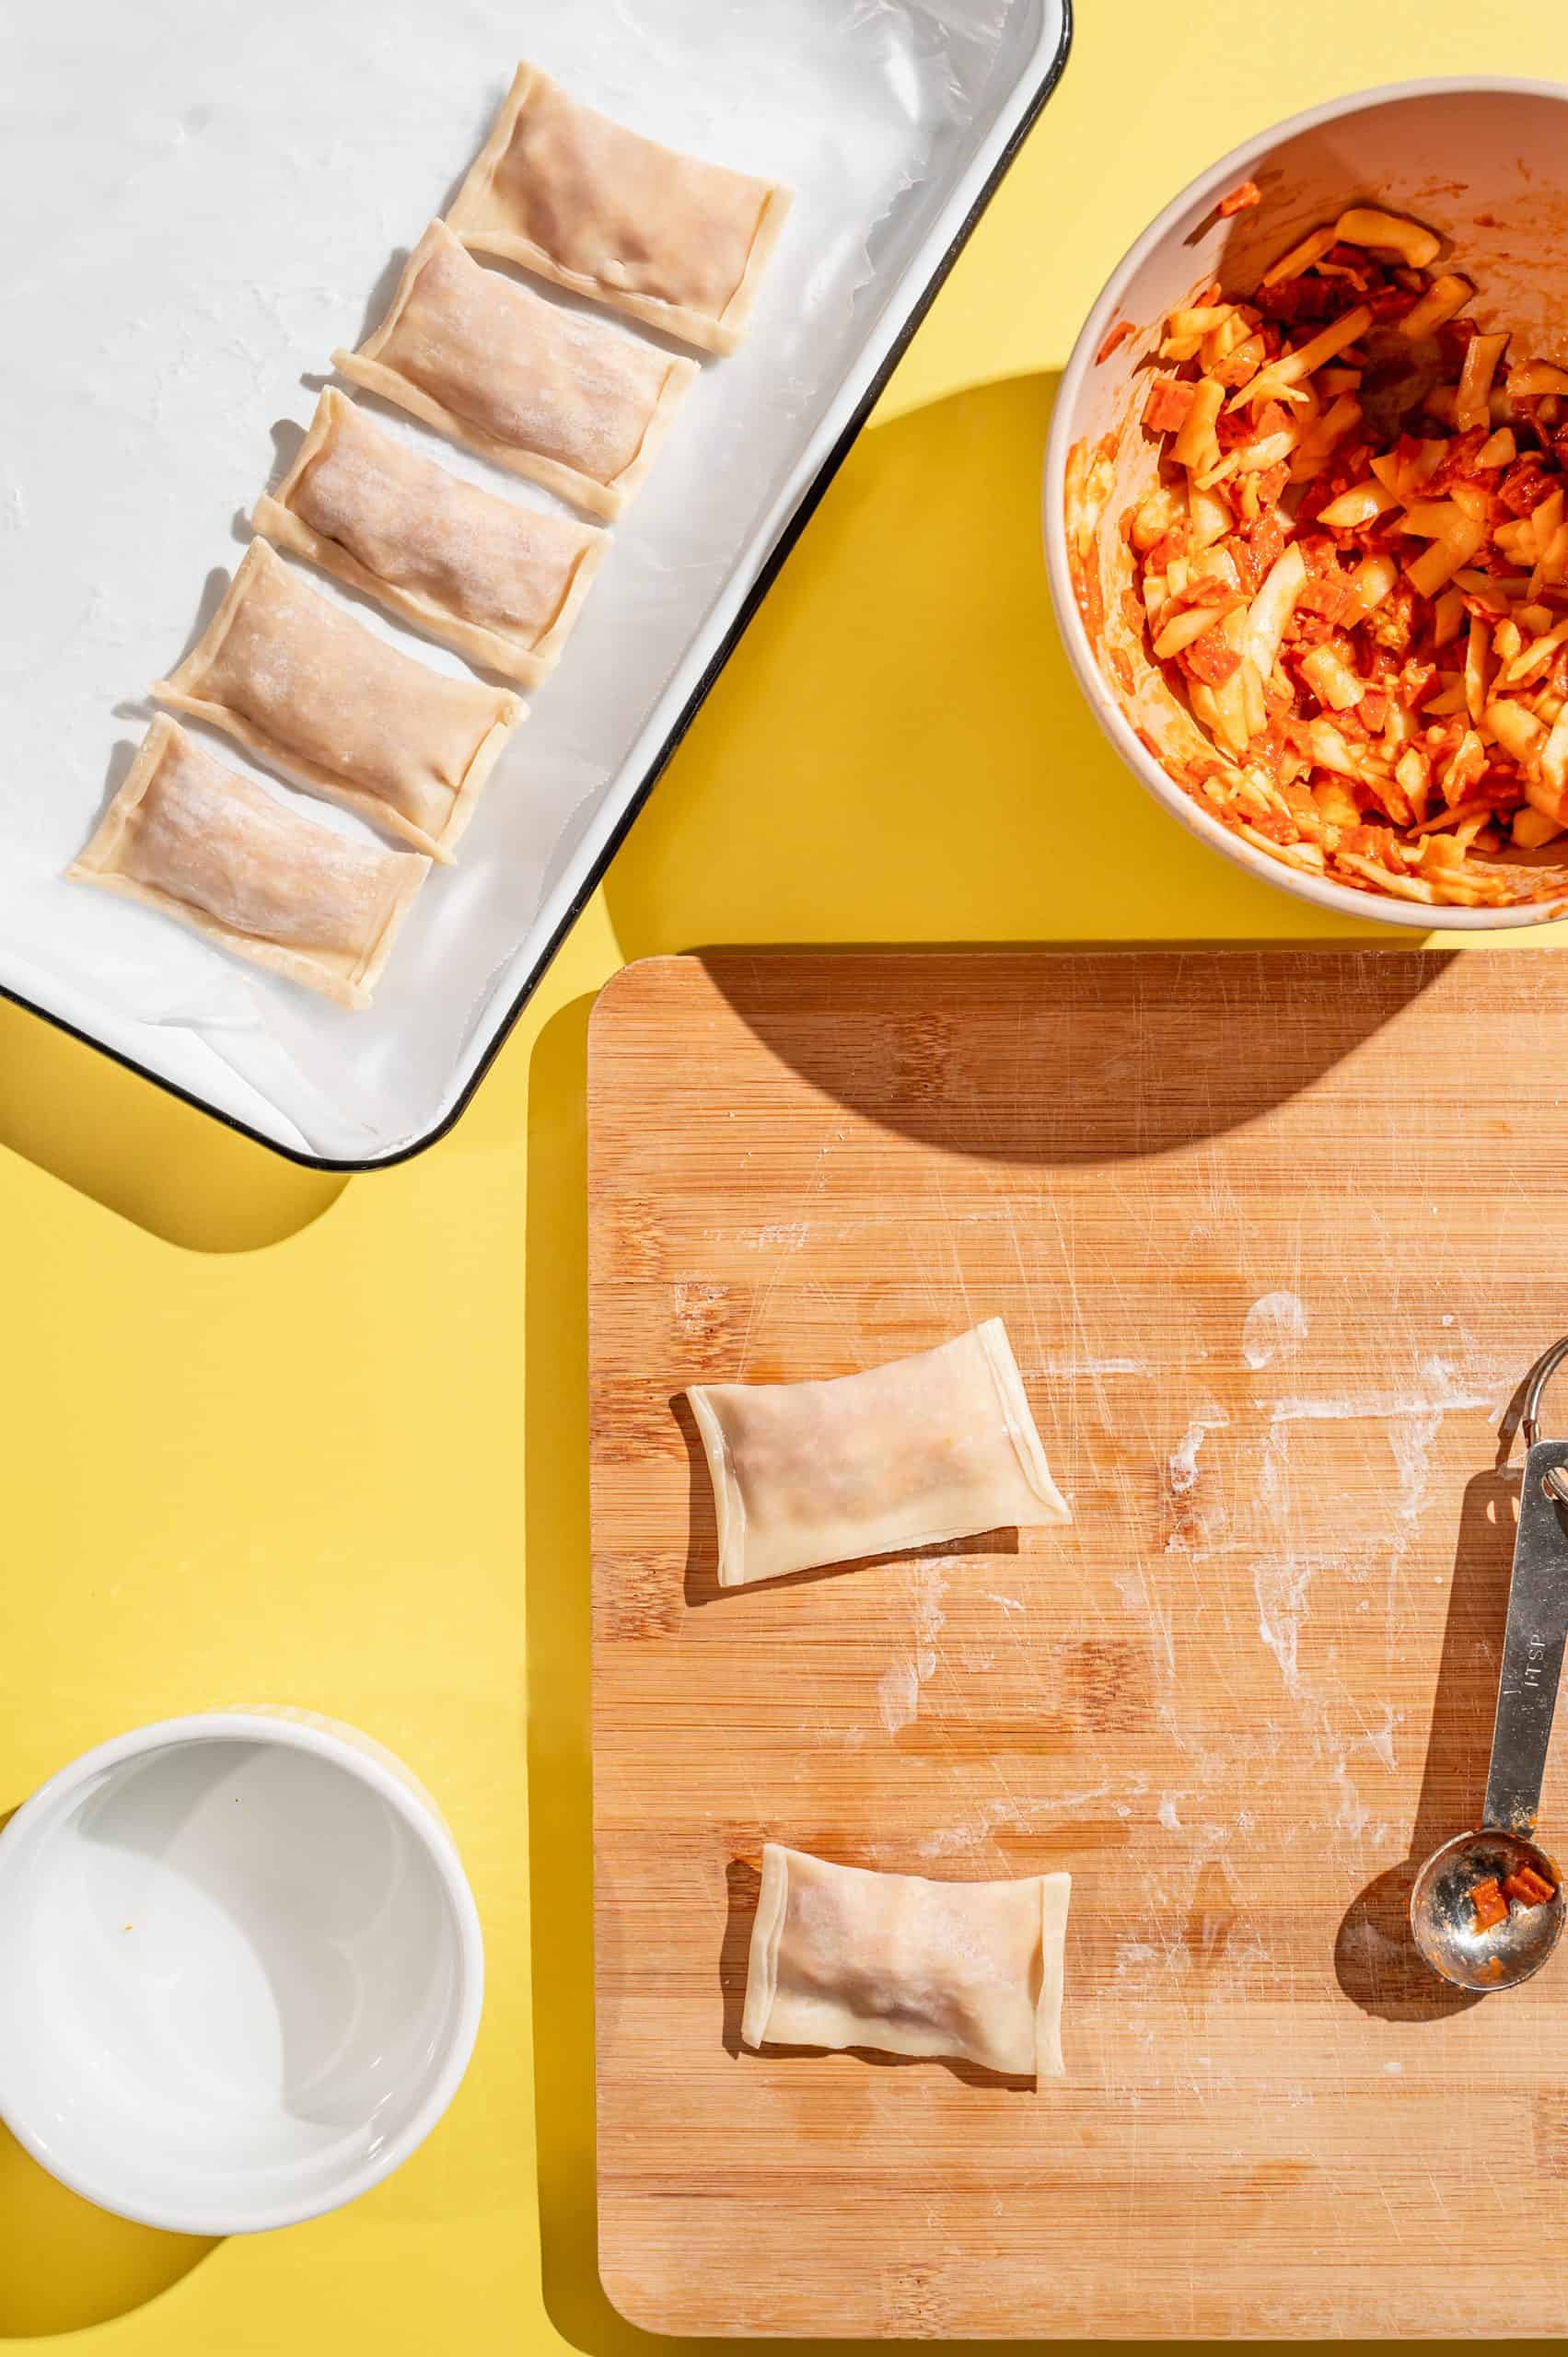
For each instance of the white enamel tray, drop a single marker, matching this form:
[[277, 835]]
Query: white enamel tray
[[204, 199]]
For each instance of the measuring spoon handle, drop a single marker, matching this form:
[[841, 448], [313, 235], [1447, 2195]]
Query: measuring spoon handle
[[1532, 1645]]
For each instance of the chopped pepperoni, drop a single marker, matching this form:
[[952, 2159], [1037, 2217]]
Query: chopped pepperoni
[[1488, 1903], [1170, 544], [1316, 496], [1525, 484], [1528, 1888], [1119, 335], [1298, 300], [1166, 410], [1211, 659], [1319, 551], [1392, 303], [1265, 544], [1528, 419], [1210, 590], [1240, 198], [1458, 462], [1331, 596]]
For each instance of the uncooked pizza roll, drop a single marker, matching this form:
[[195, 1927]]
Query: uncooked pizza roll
[[938, 1446], [841, 1956], [198, 841], [502, 583], [304, 685], [569, 402], [593, 206]]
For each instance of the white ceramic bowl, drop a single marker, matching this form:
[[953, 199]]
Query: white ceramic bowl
[[1448, 152], [241, 1971]]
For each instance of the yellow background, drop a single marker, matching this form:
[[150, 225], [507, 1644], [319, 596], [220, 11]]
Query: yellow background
[[265, 1432]]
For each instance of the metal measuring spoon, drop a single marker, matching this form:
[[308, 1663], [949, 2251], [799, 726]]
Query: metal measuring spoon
[[1442, 1915]]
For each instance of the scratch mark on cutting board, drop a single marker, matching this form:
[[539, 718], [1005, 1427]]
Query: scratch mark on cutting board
[[1354, 1817], [1133, 1586], [1068, 1363], [794, 1234], [1381, 1739]]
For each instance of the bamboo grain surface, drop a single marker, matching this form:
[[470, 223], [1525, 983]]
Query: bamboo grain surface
[[1275, 1235]]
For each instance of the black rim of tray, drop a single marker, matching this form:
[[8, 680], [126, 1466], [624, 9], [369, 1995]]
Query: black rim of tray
[[591, 880]]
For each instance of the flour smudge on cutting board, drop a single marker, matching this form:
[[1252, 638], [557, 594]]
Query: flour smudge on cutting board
[[1182, 1464], [898, 1689], [1274, 1329], [1442, 1395]]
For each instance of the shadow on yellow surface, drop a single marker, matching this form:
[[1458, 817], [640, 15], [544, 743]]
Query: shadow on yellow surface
[[902, 734], [64, 2265], [112, 1135], [560, 1787]]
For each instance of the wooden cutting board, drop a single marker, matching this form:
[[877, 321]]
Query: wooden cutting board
[[1274, 1235]]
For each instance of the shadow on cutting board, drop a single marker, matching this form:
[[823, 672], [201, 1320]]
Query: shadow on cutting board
[[1375, 1957]]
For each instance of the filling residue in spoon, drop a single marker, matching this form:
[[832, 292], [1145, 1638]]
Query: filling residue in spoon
[[1488, 1899]]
